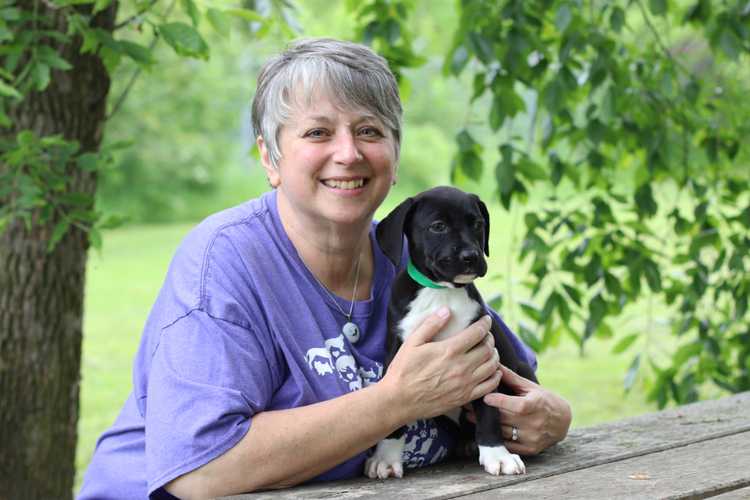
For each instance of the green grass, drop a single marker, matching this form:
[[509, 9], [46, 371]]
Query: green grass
[[122, 284]]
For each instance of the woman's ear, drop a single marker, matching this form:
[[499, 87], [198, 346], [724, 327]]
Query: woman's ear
[[265, 159]]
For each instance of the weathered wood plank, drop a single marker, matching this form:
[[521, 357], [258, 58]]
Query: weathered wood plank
[[690, 472], [583, 448], [741, 494]]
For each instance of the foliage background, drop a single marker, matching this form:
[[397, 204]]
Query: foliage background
[[610, 132]]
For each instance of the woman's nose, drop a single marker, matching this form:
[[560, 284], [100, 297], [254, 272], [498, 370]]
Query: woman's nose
[[347, 150]]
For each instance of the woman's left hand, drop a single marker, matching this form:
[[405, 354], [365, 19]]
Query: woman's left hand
[[541, 417]]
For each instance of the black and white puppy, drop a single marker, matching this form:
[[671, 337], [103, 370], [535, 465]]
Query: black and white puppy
[[447, 232]]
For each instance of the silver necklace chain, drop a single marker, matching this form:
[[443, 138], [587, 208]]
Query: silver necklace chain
[[354, 294]]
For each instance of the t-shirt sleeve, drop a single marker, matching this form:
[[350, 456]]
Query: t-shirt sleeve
[[209, 377]]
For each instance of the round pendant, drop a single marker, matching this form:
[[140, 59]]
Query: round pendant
[[351, 332]]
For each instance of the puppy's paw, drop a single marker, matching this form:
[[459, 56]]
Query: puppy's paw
[[388, 459], [383, 469], [497, 460]]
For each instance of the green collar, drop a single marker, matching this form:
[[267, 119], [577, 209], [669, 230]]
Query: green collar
[[419, 277]]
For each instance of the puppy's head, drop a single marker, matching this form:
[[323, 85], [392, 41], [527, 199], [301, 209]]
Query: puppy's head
[[447, 231]]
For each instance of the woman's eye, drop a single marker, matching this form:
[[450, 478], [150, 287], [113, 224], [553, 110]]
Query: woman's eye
[[316, 133], [371, 132]]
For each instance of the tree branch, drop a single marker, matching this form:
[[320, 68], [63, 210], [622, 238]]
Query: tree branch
[[134, 17], [137, 71], [653, 30]]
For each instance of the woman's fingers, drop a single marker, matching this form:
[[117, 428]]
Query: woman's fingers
[[430, 327]]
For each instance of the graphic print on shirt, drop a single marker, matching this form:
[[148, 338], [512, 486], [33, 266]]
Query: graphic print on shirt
[[333, 359], [426, 443], [421, 435]]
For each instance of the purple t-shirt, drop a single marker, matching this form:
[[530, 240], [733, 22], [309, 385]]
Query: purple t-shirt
[[240, 326]]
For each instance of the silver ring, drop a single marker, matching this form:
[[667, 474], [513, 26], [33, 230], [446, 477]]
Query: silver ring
[[515, 434]]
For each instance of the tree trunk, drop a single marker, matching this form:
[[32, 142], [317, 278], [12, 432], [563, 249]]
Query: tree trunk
[[41, 294]]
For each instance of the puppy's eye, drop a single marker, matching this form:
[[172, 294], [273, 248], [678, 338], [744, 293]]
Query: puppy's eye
[[438, 227], [479, 226]]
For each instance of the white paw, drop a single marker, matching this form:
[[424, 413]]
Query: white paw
[[497, 460], [388, 459]]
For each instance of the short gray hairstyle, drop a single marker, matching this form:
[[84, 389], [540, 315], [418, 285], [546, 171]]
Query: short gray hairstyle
[[352, 77]]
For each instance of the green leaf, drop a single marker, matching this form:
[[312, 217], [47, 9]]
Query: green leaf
[[653, 276], [192, 10], [9, 91], [106, 38], [496, 302], [110, 59], [548, 308], [563, 17], [658, 7], [95, 238], [59, 231], [597, 310], [729, 46], [78, 199], [391, 31], [465, 141], [219, 21], [531, 170], [10, 13], [498, 112], [41, 73], [247, 15], [554, 97], [49, 57], [138, 53], [114, 221], [595, 131], [88, 162], [100, 5], [573, 294], [625, 343], [617, 19], [471, 165], [185, 40], [459, 59], [481, 46], [84, 215], [505, 171]]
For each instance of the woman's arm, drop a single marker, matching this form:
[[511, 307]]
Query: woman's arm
[[286, 447]]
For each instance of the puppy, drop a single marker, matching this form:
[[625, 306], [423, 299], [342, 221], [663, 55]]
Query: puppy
[[447, 232]]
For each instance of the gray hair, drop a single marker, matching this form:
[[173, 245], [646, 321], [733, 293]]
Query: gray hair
[[352, 77]]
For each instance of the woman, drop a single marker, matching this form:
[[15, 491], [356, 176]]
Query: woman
[[250, 373]]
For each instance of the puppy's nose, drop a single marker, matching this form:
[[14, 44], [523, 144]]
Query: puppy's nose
[[469, 256]]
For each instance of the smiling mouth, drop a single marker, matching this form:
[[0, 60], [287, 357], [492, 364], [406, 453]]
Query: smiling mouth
[[346, 185]]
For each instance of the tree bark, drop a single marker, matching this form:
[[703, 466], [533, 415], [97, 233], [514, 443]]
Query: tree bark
[[41, 294]]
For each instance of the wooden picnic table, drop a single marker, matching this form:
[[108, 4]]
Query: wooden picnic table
[[701, 450]]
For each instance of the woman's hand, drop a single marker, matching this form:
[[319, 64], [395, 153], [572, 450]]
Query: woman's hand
[[541, 417], [434, 377]]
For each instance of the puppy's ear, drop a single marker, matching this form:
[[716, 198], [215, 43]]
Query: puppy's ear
[[390, 232], [485, 213]]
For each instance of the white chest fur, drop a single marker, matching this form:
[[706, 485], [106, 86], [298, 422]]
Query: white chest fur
[[429, 300]]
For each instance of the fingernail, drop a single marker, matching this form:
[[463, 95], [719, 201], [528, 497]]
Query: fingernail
[[443, 312], [489, 399]]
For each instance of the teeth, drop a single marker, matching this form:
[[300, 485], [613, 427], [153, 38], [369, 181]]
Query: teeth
[[344, 184]]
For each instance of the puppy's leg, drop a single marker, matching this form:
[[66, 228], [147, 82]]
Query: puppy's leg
[[388, 459], [492, 452]]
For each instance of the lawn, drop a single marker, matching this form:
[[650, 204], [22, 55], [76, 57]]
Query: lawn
[[123, 282]]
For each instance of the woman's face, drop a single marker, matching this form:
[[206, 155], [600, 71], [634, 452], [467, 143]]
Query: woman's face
[[335, 165]]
